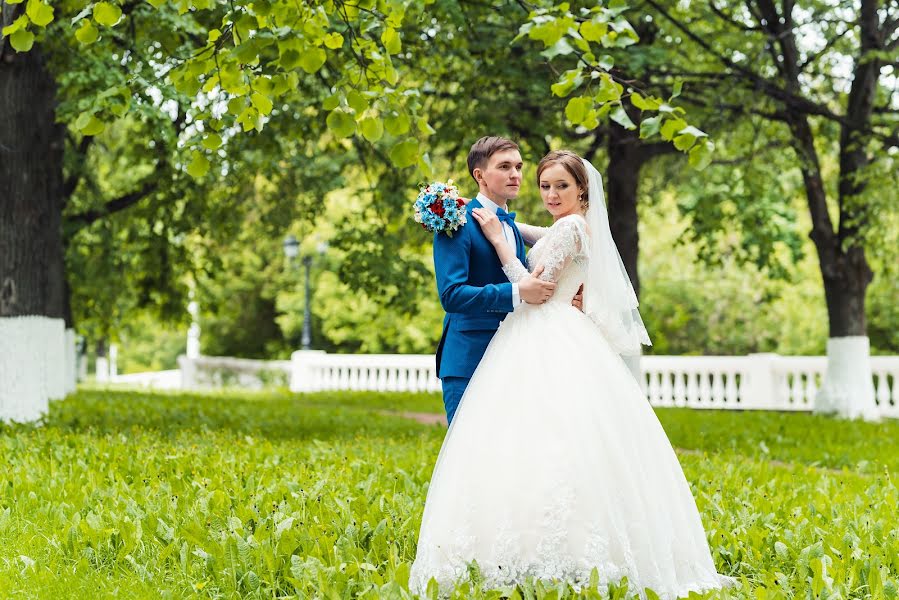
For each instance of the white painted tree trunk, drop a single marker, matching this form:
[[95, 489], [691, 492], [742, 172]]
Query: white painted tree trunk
[[101, 369], [113, 361], [32, 366], [848, 389], [71, 374], [55, 359]]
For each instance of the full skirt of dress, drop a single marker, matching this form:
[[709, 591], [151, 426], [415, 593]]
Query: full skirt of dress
[[555, 464]]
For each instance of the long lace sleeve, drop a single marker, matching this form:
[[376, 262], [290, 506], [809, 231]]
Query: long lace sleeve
[[531, 233], [515, 271], [566, 241]]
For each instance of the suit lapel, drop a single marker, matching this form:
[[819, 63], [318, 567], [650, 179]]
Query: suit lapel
[[520, 250]]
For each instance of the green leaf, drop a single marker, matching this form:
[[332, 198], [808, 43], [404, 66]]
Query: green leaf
[[690, 130], [405, 153], [678, 86], [249, 119], [671, 127], [106, 13], [781, 550], [569, 80], [213, 35], [372, 129], [424, 127], [22, 40], [397, 124], [331, 102], [199, 165], [684, 142], [334, 41], [425, 165], [701, 155], [391, 40], [88, 124], [356, 101], [17, 25], [620, 116], [650, 126], [341, 123], [642, 103], [262, 103], [39, 13], [593, 31], [609, 90], [312, 60], [551, 31], [212, 141], [577, 108], [560, 48], [87, 33]]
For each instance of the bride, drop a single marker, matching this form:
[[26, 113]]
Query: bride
[[555, 464]]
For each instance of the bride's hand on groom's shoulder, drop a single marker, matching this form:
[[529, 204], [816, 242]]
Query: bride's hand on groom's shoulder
[[490, 225]]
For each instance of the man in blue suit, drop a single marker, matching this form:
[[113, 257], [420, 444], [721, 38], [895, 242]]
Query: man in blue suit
[[474, 291]]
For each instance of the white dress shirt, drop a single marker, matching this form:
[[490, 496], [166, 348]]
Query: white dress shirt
[[508, 234]]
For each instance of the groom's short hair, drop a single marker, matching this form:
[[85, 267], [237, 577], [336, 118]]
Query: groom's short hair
[[484, 148]]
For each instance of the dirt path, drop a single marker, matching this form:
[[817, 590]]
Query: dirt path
[[419, 417]]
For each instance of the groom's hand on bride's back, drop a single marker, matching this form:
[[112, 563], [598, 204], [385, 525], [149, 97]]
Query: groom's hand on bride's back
[[534, 290], [578, 300]]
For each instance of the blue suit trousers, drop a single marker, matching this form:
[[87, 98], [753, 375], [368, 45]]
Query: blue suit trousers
[[453, 389]]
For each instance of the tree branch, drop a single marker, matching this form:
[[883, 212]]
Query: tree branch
[[651, 150], [827, 45], [792, 100], [8, 14], [113, 206], [726, 17]]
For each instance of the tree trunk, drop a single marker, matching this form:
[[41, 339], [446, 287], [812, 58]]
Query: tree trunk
[[625, 161], [31, 254], [31, 153]]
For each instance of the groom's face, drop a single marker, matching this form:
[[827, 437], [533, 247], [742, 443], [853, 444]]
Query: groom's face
[[501, 178]]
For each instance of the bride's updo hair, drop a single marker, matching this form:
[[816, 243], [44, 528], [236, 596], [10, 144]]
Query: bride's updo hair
[[574, 165]]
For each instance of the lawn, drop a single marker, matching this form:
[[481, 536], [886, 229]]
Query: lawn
[[127, 494]]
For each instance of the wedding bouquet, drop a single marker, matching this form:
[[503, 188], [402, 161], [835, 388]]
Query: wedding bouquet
[[439, 208]]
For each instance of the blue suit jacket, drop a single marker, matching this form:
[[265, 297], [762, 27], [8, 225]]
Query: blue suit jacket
[[474, 292]]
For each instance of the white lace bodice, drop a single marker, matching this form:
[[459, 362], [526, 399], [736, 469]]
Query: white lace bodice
[[563, 254]]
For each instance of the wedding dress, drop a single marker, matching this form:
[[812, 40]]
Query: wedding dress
[[555, 464]]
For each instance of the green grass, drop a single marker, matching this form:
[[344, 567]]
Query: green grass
[[135, 495]]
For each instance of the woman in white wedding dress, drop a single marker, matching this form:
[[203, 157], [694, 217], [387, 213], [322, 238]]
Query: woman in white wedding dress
[[555, 464]]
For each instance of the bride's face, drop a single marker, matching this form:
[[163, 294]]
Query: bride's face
[[559, 191]]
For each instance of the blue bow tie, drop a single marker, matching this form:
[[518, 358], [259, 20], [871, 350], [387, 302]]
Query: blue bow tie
[[508, 217]]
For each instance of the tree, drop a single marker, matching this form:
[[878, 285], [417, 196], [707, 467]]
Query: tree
[[199, 76], [829, 89]]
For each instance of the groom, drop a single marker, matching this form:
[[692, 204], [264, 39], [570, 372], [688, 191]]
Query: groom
[[474, 291]]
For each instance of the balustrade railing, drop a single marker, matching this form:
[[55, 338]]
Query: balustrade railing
[[753, 382]]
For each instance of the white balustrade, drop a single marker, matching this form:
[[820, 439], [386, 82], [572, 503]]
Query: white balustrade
[[225, 371], [317, 371], [753, 382], [757, 381]]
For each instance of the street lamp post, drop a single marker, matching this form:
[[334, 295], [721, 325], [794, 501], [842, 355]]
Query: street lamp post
[[307, 309], [291, 251]]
